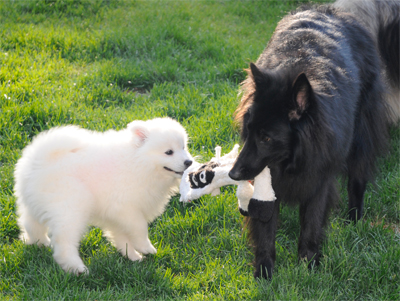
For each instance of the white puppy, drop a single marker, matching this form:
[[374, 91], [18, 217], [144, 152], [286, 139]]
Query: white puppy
[[69, 177]]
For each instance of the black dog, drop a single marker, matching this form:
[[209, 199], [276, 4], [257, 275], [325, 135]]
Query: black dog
[[312, 108]]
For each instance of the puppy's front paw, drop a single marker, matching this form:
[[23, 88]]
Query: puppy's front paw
[[134, 256], [82, 271], [68, 261], [146, 248], [153, 250], [150, 250], [262, 210], [76, 270]]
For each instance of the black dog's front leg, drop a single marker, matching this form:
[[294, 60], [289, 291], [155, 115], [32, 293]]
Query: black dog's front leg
[[262, 235], [313, 217]]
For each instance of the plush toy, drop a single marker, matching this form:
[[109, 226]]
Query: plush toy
[[256, 201]]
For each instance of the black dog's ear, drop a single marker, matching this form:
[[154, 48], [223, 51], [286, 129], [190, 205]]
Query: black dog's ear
[[302, 96], [260, 78]]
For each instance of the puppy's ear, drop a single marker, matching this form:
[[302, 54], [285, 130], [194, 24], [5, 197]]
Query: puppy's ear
[[302, 96], [139, 131]]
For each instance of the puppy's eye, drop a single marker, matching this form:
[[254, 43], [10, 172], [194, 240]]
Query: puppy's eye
[[169, 152]]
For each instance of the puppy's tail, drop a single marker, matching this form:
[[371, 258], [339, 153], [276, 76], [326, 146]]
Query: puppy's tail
[[56, 143]]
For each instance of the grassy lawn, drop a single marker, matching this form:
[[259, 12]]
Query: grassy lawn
[[100, 64]]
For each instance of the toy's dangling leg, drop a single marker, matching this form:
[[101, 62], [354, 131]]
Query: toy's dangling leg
[[216, 192], [261, 205], [218, 154], [232, 155], [244, 192]]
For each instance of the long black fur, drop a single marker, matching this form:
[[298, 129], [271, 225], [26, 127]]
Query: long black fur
[[382, 19], [312, 108]]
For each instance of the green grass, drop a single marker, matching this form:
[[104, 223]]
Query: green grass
[[100, 64]]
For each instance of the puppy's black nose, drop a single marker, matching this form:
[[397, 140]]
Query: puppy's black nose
[[188, 163]]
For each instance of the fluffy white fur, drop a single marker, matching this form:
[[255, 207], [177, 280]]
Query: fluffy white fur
[[120, 181]]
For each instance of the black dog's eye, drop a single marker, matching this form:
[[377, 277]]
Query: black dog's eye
[[169, 152], [264, 138]]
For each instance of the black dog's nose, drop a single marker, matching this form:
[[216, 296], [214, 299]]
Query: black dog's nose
[[188, 163], [235, 174]]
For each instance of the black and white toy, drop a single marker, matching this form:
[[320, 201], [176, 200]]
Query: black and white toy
[[256, 201]]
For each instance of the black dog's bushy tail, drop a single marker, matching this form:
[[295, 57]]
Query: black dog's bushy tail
[[388, 42], [389, 47], [382, 19]]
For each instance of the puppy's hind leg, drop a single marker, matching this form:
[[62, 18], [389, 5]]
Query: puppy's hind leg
[[68, 223], [32, 231], [66, 233]]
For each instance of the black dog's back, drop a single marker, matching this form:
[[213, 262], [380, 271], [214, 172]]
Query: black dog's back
[[312, 108]]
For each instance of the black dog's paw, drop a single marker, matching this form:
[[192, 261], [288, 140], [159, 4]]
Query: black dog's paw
[[261, 210], [264, 270], [355, 214], [243, 212]]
